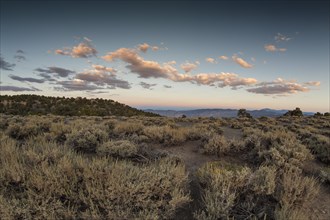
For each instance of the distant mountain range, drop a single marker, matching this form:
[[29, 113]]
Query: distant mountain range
[[220, 112]]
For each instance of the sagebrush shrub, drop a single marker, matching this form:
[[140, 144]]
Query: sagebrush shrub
[[121, 148], [87, 139], [216, 145]]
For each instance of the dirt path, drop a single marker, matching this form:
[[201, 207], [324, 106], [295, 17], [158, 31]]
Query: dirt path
[[319, 208], [193, 159], [231, 133]]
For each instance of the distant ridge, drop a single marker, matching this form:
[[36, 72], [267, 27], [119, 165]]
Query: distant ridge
[[218, 112], [42, 105]]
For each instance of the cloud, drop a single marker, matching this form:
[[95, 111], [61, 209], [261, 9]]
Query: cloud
[[6, 65], [222, 80], [241, 62], [143, 47], [280, 37], [26, 79], [167, 87], [223, 57], [188, 67], [101, 76], [19, 56], [155, 48], [61, 72], [144, 68], [152, 69], [278, 87], [210, 60], [82, 50], [17, 89], [273, 48], [147, 85], [313, 83], [76, 84], [87, 39]]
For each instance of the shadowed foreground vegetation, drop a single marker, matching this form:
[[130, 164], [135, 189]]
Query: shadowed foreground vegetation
[[55, 167]]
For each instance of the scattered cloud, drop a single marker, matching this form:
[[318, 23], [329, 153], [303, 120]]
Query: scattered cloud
[[17, 89], [144, 68], [223, 57], [6, 65], [61, 72], [188, 67], [152, 69], [280, 37], [278, 87], [155, 48], [222, 80], [313, 83], [253, 59], [101, 76], [241, 62], [76, 84], [87, 39], [210, 60], [82, 50], [167, 86], [143, 47], [19, 56], [147, 85], [273, 48], [26, 79]]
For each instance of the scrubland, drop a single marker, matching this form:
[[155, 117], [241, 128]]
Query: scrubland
[[57, 167]]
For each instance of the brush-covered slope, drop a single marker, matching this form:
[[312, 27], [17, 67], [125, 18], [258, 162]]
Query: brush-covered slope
[[41, 105]]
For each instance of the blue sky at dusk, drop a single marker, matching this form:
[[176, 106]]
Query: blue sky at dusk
[[169, 54]]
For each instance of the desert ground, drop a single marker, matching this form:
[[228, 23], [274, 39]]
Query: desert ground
[[89, 167]]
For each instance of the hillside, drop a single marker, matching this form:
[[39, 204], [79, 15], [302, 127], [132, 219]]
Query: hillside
[[42, 105], [227, 113]]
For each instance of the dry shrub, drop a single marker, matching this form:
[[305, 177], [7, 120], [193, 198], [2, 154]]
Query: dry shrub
[[127, 128], [121, 148], [166, 135], [44, 180], [87, 139], [222, 185], [28, 128], [292, 192], [263, 179], [325, 174], [58, 132], [197, 132], [277, 147], [216, 145], [320, 146]]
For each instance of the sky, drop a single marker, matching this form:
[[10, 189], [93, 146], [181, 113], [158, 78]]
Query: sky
[[169, 54]]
